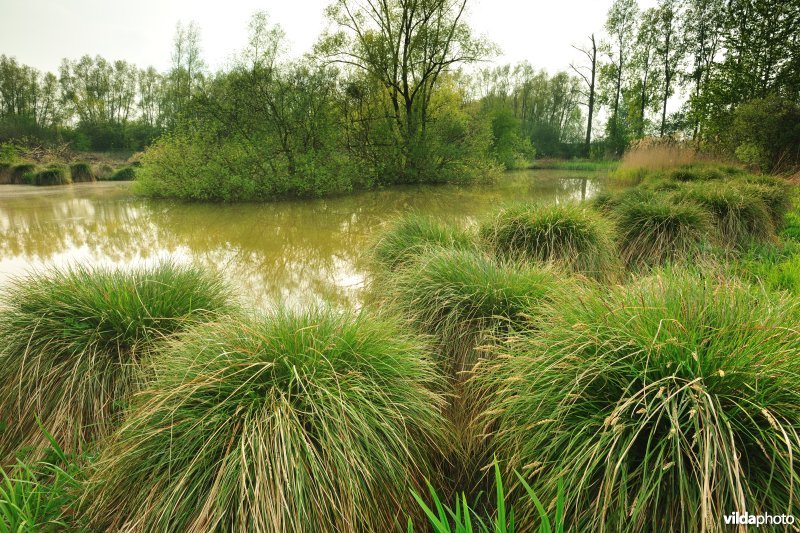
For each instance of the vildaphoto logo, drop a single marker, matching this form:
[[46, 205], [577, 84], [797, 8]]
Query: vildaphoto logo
[[765, 519]]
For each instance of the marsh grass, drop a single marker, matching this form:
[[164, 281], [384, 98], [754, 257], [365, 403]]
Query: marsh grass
[[657, 231], [463, 298], [81, 172], [124, 174], [73, 341], [53, 175], [289, 422], [405, 238], [570, 235], [23, 174], [465, 301], [740, 217], [663, 406], [40, 495]]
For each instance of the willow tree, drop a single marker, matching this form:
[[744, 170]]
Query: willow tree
[[406, 47]]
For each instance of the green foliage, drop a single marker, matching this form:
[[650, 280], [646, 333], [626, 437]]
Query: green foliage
[[296, 422], [405, 238], [508, 147], [463, 297], [124, 174], [777, 267], [23, 174], [463, 519], [656, 231], [765, 133], [739, 216], [40, 495], [53, 175], [73, 342], [81, 172], [571, 235], [663, 406]]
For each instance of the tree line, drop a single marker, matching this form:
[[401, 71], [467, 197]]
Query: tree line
[[389, 89]]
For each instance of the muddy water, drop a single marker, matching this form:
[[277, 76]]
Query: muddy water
[[293, 252]]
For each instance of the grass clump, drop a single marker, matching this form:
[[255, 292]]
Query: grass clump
[[571, 235], [462, 297], [657, 231], [774, 192], [407, 237], [23, 174], [73, 341], [293, 422], [124, 174], [53, 175], [81, 172], [662, 406], [740, 218]]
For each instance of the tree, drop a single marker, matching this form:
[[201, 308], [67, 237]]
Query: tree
[[644, 67], [621, 28], [703, 26], [406, 46], [588, 74], [670, 50]]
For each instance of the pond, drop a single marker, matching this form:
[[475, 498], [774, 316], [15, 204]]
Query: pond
[[292, 252]]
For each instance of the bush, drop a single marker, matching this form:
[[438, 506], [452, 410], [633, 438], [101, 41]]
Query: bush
[[765, 133], [740, 216], [307, 422], [53, 175], [124, 174], [662, 406], [81, 172], [656, 231], [571, 235], [407, 237], [73, 341]]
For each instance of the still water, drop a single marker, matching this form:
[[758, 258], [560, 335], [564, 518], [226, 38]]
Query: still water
[[293, 252]]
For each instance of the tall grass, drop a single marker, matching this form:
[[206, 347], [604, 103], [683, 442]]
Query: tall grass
[[53, 175], [740, 217], [73, 340], [406, 237], [657, 231], [292, 422], [81, 172], [464, 519], [663, 406], [40, 495], [23, 174], [124, 174], [570, 235], [462, 298]]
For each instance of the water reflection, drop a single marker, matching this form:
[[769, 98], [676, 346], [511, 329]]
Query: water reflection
[[298, 253]]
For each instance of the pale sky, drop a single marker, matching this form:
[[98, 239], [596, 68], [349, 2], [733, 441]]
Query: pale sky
[[41, 32]]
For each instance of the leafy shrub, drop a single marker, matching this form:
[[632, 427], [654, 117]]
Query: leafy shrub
[[73, 341], [293, 422], [571, 235], [407, 237], [656, 231], [663, 406], [81, 172], [53, 175]]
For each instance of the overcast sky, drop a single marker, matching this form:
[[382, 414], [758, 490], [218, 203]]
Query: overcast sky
[[41, 32]]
